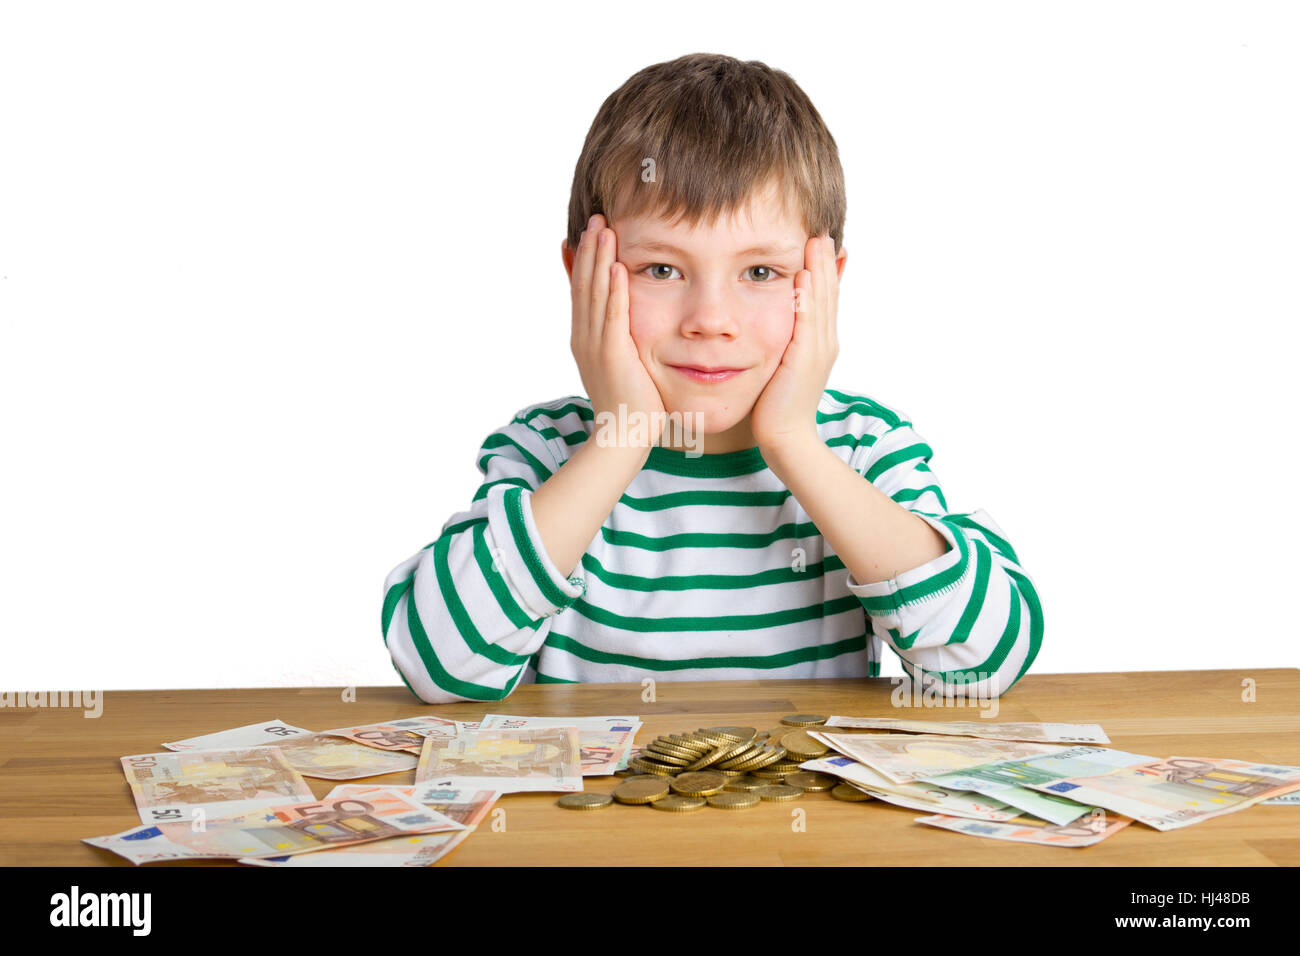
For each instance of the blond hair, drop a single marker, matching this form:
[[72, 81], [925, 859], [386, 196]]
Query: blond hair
[[713, 130]]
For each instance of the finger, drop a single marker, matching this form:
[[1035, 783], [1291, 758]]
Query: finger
[[616, 312], [581, 288], [598, 295]]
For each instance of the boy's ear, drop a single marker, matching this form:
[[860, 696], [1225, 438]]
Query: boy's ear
[[840, 259], [567, 255]]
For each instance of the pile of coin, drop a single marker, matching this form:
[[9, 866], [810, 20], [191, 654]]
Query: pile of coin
[[729, 768]]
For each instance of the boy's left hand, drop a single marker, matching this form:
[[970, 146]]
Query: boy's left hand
[[786, 409]]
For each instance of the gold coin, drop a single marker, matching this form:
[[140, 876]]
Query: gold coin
[[745, 734], [645, 766], [803, 720], [718, 754], [658, 749], [684, 743], [731, 800], [746, 782], [778, 791], [744, 756], [585, 801], [669, 759], [699, 784], [800, 745], [777, 770], [769, 756], [640, 790], [812, 782], [678, 803], [846, 791]]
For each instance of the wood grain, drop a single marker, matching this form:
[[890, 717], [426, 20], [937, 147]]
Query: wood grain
[[61, 780]]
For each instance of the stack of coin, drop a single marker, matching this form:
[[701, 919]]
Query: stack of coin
[[726, 767]]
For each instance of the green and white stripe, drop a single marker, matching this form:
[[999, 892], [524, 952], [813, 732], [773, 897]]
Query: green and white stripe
[[706, 569]]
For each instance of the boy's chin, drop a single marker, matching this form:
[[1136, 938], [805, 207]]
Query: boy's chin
[[712, 418]]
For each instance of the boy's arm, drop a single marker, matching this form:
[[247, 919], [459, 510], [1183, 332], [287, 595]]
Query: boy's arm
[[463, 616], [944, 590]]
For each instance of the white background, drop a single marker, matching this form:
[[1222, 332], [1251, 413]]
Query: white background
[[270, 272]]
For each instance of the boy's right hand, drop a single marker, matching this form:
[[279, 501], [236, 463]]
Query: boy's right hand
[[611, 369]]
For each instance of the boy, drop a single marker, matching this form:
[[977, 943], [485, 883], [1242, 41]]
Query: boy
[[805, 532]]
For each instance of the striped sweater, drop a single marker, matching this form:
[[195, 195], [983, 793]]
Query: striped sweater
[[706, 569]]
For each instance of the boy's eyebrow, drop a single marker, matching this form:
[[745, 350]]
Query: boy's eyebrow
[[654, 245]]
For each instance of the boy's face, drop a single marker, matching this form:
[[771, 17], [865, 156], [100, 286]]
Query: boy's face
[[721, 297]]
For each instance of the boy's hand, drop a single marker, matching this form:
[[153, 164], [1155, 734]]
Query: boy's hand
[[786, 410], [611, 369]]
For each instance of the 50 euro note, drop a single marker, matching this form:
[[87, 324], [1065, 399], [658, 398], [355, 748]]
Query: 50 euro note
[[193, 785], [511, 761], [603, 742], [1085, 831], [466, 806], [1043, 733], [907, 758], [915, 796], [407, 734], [281, 829], [1172, 792], [314, 754]]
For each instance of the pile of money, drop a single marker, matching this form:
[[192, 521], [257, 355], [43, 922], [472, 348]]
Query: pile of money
[[241, 794], [1038, 782]]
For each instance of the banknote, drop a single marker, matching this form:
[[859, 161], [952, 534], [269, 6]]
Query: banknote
[[1176, 791], [906, 758], [511, 761], [252, 735], [407, 734], [334, 758], [190, 786], [314, 754], [466, 807], [917, 796], [1292, 798], [1027, 829], [1008, 780], [603, 742], [1038, 733], [277, 830]]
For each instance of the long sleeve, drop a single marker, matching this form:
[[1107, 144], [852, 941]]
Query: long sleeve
[[464, 616], [970, 621]]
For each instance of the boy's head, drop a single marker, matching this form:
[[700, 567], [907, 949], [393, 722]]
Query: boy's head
[[716, 158]]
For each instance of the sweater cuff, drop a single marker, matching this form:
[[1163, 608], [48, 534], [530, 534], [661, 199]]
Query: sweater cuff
[[905, 600], [542, 589]]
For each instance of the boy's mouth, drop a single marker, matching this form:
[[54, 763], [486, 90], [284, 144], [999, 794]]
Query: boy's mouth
[[707, 374]]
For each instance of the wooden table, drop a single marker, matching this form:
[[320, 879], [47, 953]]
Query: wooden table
[[61, 780]]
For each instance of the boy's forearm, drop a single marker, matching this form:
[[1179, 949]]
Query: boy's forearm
[[875, 536], [570, 506]]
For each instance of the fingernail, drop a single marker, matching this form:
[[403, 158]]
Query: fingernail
[[591, 223]]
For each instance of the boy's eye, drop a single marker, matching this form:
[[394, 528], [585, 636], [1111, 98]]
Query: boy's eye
[[766, 274], [659, 265]]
